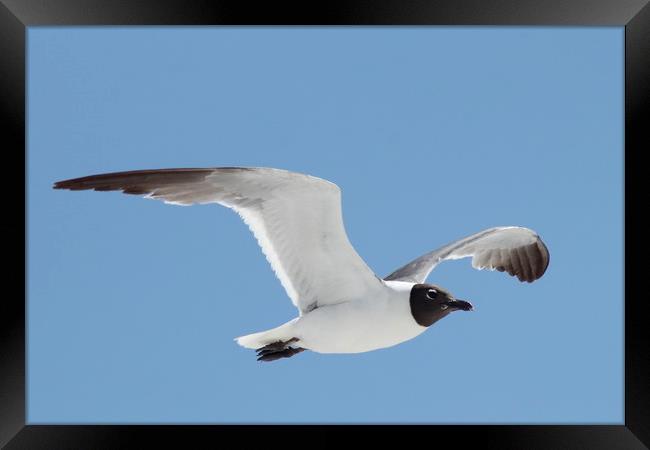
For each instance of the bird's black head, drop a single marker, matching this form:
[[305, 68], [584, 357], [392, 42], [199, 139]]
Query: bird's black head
[[430, 303]]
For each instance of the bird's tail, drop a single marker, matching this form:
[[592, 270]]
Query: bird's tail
[[258, 340]]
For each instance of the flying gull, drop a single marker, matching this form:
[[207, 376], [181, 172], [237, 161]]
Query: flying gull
[[297, 220]]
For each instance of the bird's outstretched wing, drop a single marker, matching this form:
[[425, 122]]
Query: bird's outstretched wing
[[296, 219], [516, 250]]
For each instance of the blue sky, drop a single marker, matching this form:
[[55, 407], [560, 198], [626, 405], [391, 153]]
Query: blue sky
[[432, 133]]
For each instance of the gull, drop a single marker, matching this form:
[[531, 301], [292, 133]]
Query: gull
[[343, 307]]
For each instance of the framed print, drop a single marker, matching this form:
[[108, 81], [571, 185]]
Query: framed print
[[419, 124]]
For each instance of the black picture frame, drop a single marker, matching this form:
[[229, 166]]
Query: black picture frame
[[634, 15]]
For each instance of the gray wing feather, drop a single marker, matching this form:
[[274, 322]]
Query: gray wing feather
[[296, 219], [516, 250]]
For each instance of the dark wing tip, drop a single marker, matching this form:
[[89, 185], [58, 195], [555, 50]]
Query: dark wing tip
[[65, 184], [534, 259], [141, 181], [94, 182], [138, 182], [80, 184], [527, 263], [546, 255]]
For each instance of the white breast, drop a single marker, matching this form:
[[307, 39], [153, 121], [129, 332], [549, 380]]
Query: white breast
[[380, 320]]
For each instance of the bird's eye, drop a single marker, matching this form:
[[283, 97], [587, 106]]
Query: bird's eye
[[432, 294]]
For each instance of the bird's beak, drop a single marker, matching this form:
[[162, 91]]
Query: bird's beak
[[461, 304]]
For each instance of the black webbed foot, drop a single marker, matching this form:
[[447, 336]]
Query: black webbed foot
[[277, 350], [286, 353]]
